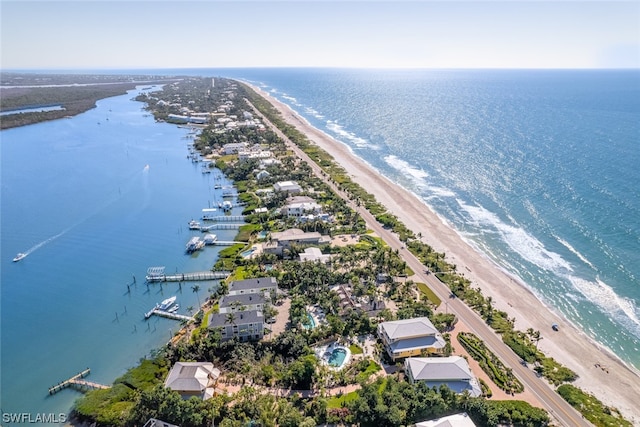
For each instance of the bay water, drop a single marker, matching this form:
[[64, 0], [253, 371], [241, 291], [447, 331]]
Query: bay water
[[93, 201]]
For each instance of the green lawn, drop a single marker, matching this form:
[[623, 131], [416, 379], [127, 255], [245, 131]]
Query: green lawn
[[340, 401], [427, 292]]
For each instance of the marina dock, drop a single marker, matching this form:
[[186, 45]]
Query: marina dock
[[78, 382], [156, 274]]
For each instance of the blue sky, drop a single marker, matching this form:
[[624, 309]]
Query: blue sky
[[304, 33]]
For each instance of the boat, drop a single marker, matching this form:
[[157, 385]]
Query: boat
[[194, 225], [166, 304], [226, 205], [210, 239], [195, 244], [173, 309], [19, 257]]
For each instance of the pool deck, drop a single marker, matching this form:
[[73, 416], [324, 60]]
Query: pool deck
[[321, 354]]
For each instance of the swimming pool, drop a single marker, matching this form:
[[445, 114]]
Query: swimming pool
[[310, 323], [247, 253], [337, 358]]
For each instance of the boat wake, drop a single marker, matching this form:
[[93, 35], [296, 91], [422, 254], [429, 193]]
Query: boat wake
[[44, 242]]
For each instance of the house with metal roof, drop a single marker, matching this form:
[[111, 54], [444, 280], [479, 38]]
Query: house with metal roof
[[244, 325], [451, 371], [410, 337], [193, 379], [262, 285], [242, 302], [456, 420]]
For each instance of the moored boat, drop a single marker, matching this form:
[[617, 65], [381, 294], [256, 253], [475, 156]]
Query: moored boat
[[166, 304]]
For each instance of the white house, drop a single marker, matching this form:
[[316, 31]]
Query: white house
[[456, 420], [451, 371], [291, 187], [300, 205], [245, 325], [314, 255]]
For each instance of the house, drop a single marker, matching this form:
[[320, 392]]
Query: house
[[262, 175], [314, 255], [456, 420], [410, 337], [244, 325], [234, 147], [290, 187], [193, 379], [283, 240], [264, 285], [451, 371], [242, 302], [298, 206]]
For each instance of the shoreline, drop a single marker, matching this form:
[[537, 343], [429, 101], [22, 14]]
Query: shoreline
[[600, 372]]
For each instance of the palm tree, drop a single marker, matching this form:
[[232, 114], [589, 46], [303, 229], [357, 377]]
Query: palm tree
[[196, 289]]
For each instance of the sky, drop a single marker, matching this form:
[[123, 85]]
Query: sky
[[124, 34]]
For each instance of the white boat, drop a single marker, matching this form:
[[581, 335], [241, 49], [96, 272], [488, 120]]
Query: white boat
[[173, 309], [166, 304], [226, 205], [19, 257], [194, 225], [195, 244]]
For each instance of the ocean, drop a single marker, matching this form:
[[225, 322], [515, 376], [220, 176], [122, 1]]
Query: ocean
[[537, 169], [93, 201]]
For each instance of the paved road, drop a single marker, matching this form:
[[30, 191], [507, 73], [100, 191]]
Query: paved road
[[558, 408]]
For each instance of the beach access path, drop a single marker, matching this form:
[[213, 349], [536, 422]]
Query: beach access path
[[619, 386]]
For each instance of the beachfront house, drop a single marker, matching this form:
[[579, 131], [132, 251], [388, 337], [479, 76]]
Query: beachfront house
[[455, 420], [290, 187], [260, 285], [244, 325], [452, 371], [410, 337], [193, 379]]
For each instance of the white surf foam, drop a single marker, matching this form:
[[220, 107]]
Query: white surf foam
[[350, 136], [574, 251]]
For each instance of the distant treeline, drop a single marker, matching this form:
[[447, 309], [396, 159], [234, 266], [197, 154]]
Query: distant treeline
[[74, 100]]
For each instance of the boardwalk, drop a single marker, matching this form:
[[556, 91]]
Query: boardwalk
[[77, 381]]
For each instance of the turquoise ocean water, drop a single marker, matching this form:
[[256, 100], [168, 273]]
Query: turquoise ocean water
[[539, 170], [93, 200]]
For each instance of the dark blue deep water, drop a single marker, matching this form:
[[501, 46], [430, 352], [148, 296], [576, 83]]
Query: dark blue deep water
[[539, 170]]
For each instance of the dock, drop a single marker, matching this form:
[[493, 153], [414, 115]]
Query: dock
[[164, 313], [78, 382], [224, 218], [156, 274], [227, 243]]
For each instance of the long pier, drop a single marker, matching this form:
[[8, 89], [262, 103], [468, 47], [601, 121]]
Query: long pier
[[163, 313], [227, 243], [225, 218], [221, 226], [77, 381], [188, 277]]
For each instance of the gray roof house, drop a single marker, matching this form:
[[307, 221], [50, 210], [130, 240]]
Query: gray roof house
[[451, 371], [245, 325], [252, 286], [242, 302], [410, 337], [193, 379]]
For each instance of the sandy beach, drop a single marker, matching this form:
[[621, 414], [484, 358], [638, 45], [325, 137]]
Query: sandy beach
[[600, 372]]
